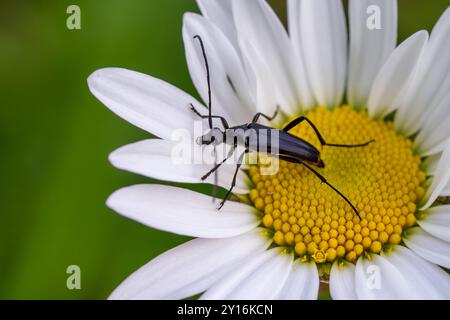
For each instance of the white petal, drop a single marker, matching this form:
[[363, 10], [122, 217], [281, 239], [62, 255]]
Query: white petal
[[324, 42], [394, 75], [221, 13], [158, 159], [223, 288], [428, 247], [369, 47], [258, 24], [435, 132], [229, 85], [401, 274], [427, 280], [380, 280], [342, 281], [430, 163], [266, 281], [303, 282], [304, 88], [430, 81], [190, 268], [293, 17], [440, 180], [437, 222], [182, 211], [264, 91], [146, 102], [446, 191]]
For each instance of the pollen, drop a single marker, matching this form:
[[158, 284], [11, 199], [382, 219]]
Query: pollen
[[382, 180]]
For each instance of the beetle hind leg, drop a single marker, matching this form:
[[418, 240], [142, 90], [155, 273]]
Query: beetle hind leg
[[323, 179], [299, 120]]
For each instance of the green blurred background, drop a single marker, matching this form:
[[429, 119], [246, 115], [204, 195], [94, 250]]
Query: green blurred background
[[55, 137]]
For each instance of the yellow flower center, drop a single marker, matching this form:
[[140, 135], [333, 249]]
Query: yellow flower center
[[382, 180]]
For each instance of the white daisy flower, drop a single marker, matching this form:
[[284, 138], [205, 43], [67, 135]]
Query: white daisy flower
[[289, 232]]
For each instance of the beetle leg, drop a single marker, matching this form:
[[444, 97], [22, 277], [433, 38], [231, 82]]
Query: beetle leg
[[217, 166], [299, 120], [233, 183], [350, 145], [224, 121], [322, 178], [259, 114], [216, 178]]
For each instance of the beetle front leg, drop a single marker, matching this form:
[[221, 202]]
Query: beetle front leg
[[224, 121], [259, 114]]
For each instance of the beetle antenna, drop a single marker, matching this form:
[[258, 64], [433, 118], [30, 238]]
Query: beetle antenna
[[208, 77]]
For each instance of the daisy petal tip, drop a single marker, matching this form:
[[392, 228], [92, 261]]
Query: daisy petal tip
[[122, 155], [114, 157], [189, 17], [113, 201], [93, 80], [121, 199], [96, 77], [110, 203]]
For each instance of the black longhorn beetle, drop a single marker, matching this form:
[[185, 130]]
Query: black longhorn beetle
[[291, 148]]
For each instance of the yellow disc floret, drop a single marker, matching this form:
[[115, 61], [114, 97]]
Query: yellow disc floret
[[382, 180]]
